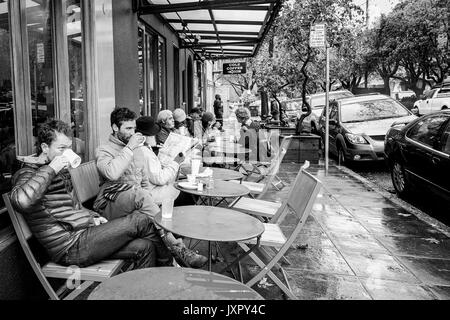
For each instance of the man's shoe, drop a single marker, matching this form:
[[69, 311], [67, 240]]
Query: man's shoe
[[188, 257]]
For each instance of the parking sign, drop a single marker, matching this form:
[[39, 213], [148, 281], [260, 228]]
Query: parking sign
[[317, 36]]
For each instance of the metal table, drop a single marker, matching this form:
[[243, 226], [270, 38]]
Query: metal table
[[169, 283], [213, 224], [218, 173], [222, 190]]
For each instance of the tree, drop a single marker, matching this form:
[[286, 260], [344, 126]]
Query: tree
[[296, 59], [413, 30]]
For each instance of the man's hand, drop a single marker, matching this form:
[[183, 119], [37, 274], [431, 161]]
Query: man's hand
[[100, 220], [135, 141], [59, 163]]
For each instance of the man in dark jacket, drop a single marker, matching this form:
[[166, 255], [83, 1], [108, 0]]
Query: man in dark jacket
[[72, 234], [218, 108]]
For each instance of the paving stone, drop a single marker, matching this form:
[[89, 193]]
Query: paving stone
[[394, 290], [315, 286], [357, 243], [379, 266], [429, 271], [442, 292], [432, 247]]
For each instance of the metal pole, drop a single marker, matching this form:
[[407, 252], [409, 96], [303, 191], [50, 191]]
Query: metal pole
[[327, 109]]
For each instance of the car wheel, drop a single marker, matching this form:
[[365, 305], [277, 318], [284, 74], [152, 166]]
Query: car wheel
[[399, 180]]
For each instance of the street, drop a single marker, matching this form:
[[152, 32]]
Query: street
[[378, 173]]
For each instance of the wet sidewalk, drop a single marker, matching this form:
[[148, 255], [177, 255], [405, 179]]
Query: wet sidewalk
[[357, 244]]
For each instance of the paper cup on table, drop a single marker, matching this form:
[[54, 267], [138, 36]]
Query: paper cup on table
[[195, 166], [167, 208], [73, 158], [191, 178]]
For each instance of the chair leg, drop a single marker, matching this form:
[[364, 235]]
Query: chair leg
[[76, 292], [264, 271]]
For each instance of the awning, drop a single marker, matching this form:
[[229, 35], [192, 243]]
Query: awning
[[217, 29]]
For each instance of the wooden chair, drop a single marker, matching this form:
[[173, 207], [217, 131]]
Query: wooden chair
[[273, 243], [268, 171], [85, 181], [264, 208]]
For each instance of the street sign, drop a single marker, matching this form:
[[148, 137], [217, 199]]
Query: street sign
[[317, 38], [235, 68]]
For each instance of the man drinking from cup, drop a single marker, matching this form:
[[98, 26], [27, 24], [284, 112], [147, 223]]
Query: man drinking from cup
[[70, 233], [127, 188]]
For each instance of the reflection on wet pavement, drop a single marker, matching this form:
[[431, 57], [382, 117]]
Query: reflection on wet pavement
[[356, 244]]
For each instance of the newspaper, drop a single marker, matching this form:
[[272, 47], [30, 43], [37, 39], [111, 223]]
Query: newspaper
[[176, 144]]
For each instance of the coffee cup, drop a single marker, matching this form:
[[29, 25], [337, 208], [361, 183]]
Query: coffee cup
[[195, 166], [73, 158], [191, 178]]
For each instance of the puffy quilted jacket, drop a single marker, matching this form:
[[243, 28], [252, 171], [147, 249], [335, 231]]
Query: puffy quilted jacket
[[50, 207]]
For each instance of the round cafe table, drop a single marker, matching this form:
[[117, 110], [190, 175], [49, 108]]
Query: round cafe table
[[218, 173], [212, 224], [222, 190], [170, 283]]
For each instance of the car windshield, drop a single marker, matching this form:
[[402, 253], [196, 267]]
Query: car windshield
[[372, 110], [320, 100]]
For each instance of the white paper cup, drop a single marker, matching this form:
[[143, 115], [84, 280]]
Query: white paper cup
[[167, 208], [191, 178], [195, 166], [73, 158]]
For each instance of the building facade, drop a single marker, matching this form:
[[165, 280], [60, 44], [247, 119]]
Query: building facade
[[76, 60]]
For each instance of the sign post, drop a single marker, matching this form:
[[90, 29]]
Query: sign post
[[318, 39]]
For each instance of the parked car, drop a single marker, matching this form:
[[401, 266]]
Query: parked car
[[418, 154], [358, 126], [317, 103], [293, 107], [433, 100]]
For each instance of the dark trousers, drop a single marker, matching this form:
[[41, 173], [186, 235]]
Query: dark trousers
[[132, 237]]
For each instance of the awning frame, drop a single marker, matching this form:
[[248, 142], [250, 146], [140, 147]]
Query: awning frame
[[208, 49]]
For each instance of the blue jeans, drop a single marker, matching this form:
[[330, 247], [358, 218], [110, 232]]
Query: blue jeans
[[132, 237]]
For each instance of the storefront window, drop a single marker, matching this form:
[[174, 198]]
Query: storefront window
[[75, 50], [147, 48], [8, 163], [162, 73], [40, 48]]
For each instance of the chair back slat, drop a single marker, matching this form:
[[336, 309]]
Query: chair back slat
[[86, 180], [302, 192], [275, 165]]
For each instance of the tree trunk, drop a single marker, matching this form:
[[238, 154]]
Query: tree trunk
[[387, 88]]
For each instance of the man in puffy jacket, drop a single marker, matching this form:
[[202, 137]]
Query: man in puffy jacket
[[72, 234]]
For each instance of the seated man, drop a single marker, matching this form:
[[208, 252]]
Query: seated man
[[167, 123], [180, 122], [194, 123], [127, 188], [70, 233], [160, 170], [249, 133]]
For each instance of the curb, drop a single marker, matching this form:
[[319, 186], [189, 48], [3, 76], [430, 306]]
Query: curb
[[393, 198]]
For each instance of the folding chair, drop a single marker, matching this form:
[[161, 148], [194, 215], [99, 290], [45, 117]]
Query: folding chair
[[268, 170], [300, 201], [85, 180], [264, 208]]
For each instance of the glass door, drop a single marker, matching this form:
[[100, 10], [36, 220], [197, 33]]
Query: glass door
[[148, 86]]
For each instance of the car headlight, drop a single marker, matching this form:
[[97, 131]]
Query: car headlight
[[355, 139]]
